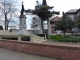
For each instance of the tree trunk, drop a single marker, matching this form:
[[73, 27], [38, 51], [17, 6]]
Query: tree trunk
[[48, 29], [6, 22], [42, 26], [76, 30], [64, 33]]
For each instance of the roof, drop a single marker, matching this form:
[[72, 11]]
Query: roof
[[73, 11], [57, 18]]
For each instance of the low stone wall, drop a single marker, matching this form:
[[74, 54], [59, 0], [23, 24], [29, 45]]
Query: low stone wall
[[8, 32], [54, 51], [13, 32]]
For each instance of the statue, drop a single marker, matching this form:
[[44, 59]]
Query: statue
[[37, 5], [22, 10]]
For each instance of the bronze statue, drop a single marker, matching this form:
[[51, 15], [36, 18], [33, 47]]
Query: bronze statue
[[22, 10]]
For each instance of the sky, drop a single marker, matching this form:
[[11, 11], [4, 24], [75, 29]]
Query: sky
[[59, 5]]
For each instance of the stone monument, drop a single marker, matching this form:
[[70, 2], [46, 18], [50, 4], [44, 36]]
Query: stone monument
[[22, 19], [22, 24]]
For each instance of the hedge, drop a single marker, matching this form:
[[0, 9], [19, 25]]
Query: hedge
[[23, 38]]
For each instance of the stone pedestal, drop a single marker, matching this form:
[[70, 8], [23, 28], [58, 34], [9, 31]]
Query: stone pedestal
[[23, 32], [22, 27], [22, 23]]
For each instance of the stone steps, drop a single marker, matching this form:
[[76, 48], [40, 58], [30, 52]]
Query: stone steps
[[36, 38]]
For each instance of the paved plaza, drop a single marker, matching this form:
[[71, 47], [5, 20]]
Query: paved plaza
[[6, 54]]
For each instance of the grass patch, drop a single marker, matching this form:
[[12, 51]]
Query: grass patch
[[77, 35], [59, 38]]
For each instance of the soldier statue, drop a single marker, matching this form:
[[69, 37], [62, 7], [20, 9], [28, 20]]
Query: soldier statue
[[22, 10]]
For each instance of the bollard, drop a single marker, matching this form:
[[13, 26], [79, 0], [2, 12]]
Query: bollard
[[45, 37], [19, 38], [0, 37], [31, 39]]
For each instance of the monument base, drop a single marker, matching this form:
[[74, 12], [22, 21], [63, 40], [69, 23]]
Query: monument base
[[22, 25], [23, 32]]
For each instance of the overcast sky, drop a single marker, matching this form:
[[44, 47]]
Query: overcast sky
[[59, 5]]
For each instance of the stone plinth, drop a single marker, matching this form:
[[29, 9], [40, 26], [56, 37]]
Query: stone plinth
[[22, 23]]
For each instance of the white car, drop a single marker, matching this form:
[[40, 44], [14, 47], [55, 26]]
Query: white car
[[58, 32]]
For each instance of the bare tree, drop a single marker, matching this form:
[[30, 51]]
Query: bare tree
[[35, 23], [7, 11]]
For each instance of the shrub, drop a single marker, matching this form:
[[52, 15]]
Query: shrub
[[76, 35], [42, 35], [69, 40], [9, 37], [1, 28], [67, 37], [23, 38], [59, 38]]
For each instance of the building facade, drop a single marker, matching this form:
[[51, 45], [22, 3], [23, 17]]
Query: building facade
[[73, 13], [52, 23]]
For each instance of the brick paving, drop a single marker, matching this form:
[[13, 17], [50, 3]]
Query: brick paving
[[6, 54]]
